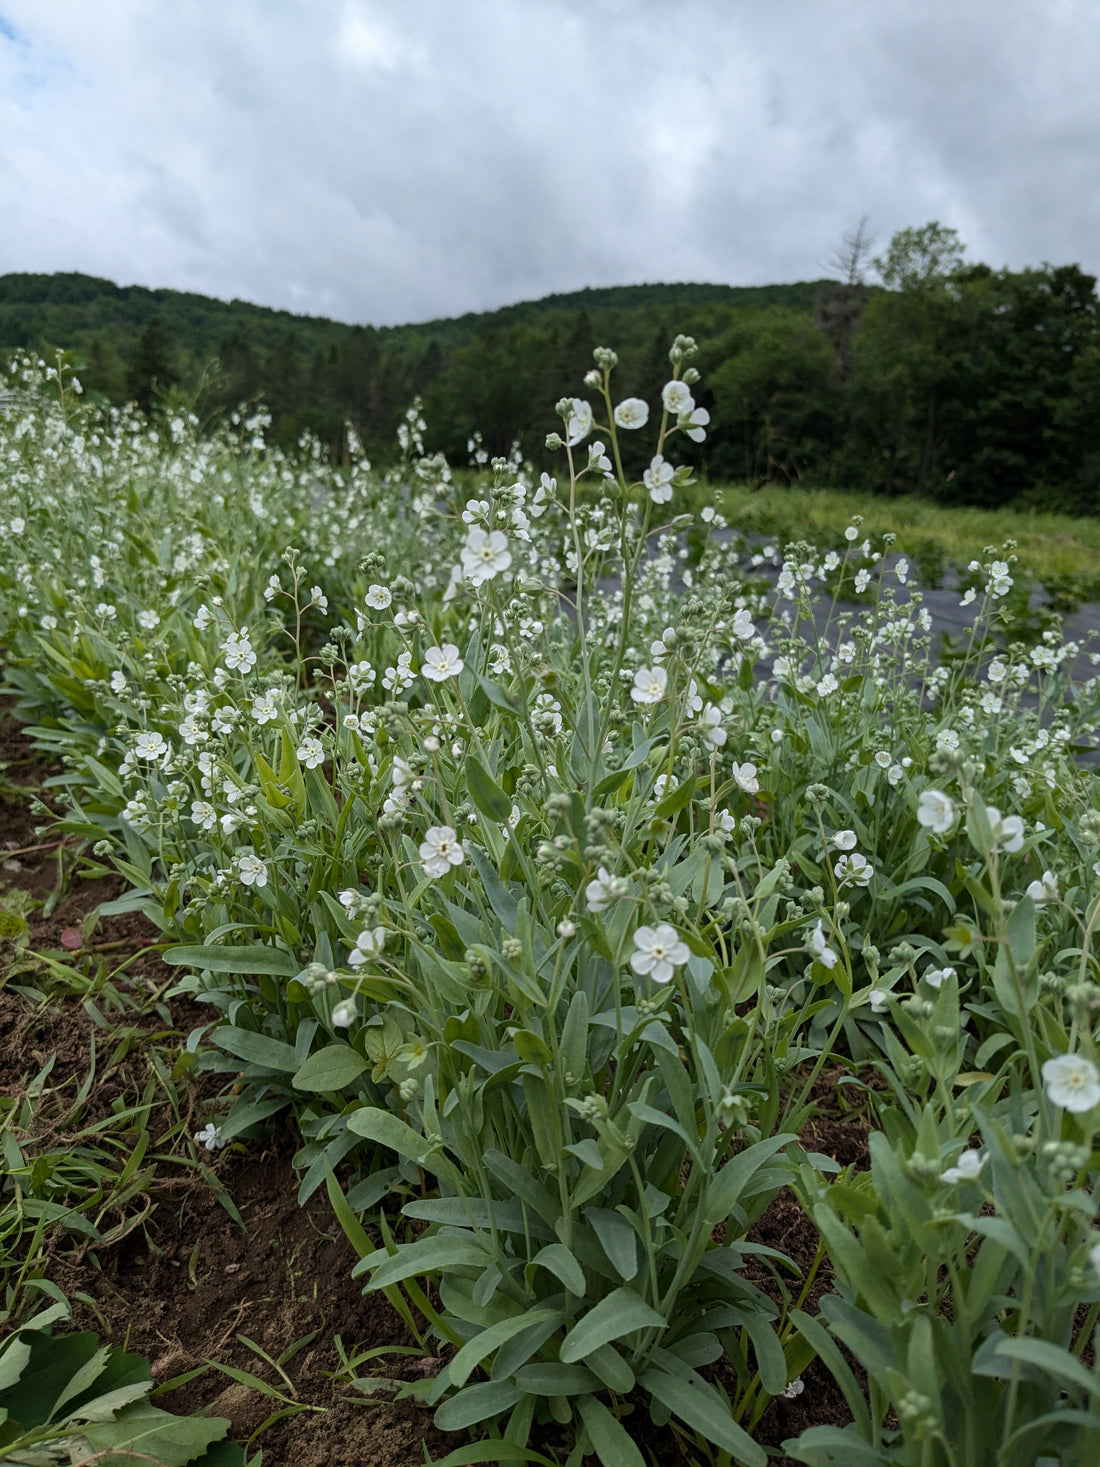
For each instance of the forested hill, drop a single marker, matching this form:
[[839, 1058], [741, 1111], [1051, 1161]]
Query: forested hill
[[949, 379]]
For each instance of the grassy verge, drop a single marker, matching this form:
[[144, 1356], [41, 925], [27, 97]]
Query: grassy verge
[[1049, 546]]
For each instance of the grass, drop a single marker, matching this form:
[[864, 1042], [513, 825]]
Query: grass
[[1049, 546]]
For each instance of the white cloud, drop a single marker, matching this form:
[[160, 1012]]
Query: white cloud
[[389, 163]]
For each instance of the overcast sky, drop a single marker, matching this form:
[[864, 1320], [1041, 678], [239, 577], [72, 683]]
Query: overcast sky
[[396, 161]]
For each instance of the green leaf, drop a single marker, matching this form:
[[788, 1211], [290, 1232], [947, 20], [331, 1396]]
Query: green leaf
[[475, 1403], [271, 961], [330, 1068], [482, 1345], [18, 1352], [1021, 932], [704, 1413], [429, 1255], [723, 1192], [548, 1378], [1053, 1360], [258, 1049], [563, 1265], [173, 1441], [486, 794], [499, 1451], [609, 1438], [621, 1313], [617, 1239]]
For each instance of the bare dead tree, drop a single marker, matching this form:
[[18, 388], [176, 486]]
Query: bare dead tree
[[849, 258], [839, 305]]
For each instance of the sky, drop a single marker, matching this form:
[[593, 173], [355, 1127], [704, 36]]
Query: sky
[[406, 160]]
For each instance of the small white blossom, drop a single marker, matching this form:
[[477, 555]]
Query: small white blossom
[[343, 1015], [211, 1137], [935, 977], [311, 752], [854, 870], [744, 776], [845, 840], [658, 952], [440, 850], [632, 413], [251, 870], [485, 555], [441, 663], [818, 945], [677, 398], [1072, 1083], [966, 1169], [658, 480], [150, 746], [936, 811], [650, 685], [1045, 890], [378, 597]]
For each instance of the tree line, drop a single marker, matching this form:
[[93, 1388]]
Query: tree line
[[938, 377]]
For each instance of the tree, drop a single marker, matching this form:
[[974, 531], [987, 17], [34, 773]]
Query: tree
[[152, 370], [839, 306]]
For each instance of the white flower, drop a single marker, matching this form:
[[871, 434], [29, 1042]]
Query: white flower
[[966, 1168], [827, 685], [819, 946], [632, 413], [211, 1137], [118, 682], [150, 746], [793, 1389], [934, 977], [664, 784], [693, 422], [440, 850], [440, 663], [743, 628], [378, 597], [239, 655], [650, 684], [368, 945], [936, 811], [710, 726], [203, 814], [677, 398], [658, 480], [845, 840], [745, 777], [863, 580], [599, 894], [579, 423], [1071, 1082], [854, 870], [264, 708], [484, 555], [1008, 831], [880, 1000], [311, 752], [658, 952], [318, 597], [343, 1015], [202, 618], [251, 870], [1045, 890]]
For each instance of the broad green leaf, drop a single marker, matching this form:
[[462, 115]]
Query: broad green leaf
[[610, 1439], [486, 794], [563, 1265], [14, 1358], [475, 1403], [429, 1255], [330, 1068], [1053, 1360], [243, 960], [723, 1192], [173, 1441], [257, 1049], [704, 1413], [549, 1378], [621, 1313], [617, 1239], [482, 1345]]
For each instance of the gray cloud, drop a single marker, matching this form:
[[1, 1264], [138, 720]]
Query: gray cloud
[[383, 163]]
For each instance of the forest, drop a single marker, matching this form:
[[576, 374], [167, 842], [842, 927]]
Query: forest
[[917, 373]]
